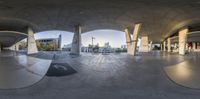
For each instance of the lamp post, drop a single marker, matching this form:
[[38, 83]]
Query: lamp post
[[92, 44]]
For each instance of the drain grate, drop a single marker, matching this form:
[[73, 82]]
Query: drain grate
[[60, 69]]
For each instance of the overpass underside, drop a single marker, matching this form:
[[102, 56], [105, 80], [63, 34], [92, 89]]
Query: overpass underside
[[173, 24]]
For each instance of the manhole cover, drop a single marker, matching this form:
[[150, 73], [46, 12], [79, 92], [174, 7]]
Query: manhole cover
[[60, 69]]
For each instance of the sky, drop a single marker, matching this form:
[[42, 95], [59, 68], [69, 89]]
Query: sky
[[115, 38]]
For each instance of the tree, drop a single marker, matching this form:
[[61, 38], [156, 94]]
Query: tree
[[96, 48]]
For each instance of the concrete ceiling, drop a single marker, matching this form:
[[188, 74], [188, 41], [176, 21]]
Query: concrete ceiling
[[191, 37], [159, 18], [8, 38], [194, 37]]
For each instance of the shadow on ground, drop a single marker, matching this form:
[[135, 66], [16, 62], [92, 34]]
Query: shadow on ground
[[60, 69]]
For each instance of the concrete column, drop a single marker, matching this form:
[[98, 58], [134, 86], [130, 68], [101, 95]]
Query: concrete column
[[161, 47], [186, 46], [32, 47], [176, 47], [60, 42], [0, 48], [144, 47], [132, 43], [169, 44], [76, 43], [128, 41], [164, 46], [194, 45], [17, 47], [182, 41], [135, 37], [150, 46]]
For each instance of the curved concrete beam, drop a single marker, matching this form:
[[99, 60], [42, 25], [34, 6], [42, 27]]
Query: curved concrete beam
[[8, 38], [195, 32], [14, 32]]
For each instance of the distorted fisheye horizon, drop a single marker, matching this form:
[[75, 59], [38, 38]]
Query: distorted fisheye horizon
[[115, 38], [99, 49]]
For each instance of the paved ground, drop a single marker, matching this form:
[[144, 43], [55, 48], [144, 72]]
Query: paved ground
[[114, 76], [186, 73], [18, 71]]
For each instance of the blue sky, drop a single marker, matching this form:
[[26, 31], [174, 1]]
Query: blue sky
[[115, 38]]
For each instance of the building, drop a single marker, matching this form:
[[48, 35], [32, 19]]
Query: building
[[49, 44], [106, 48], [67, 47]]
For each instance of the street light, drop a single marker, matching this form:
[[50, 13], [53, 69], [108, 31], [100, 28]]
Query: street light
[[92, 40], [92, 44]]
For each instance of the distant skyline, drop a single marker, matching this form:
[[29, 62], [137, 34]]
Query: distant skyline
[[115, 38]]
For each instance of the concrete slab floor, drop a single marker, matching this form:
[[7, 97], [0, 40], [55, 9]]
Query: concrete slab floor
[[186, 73], [18, 71], [114, 76]]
